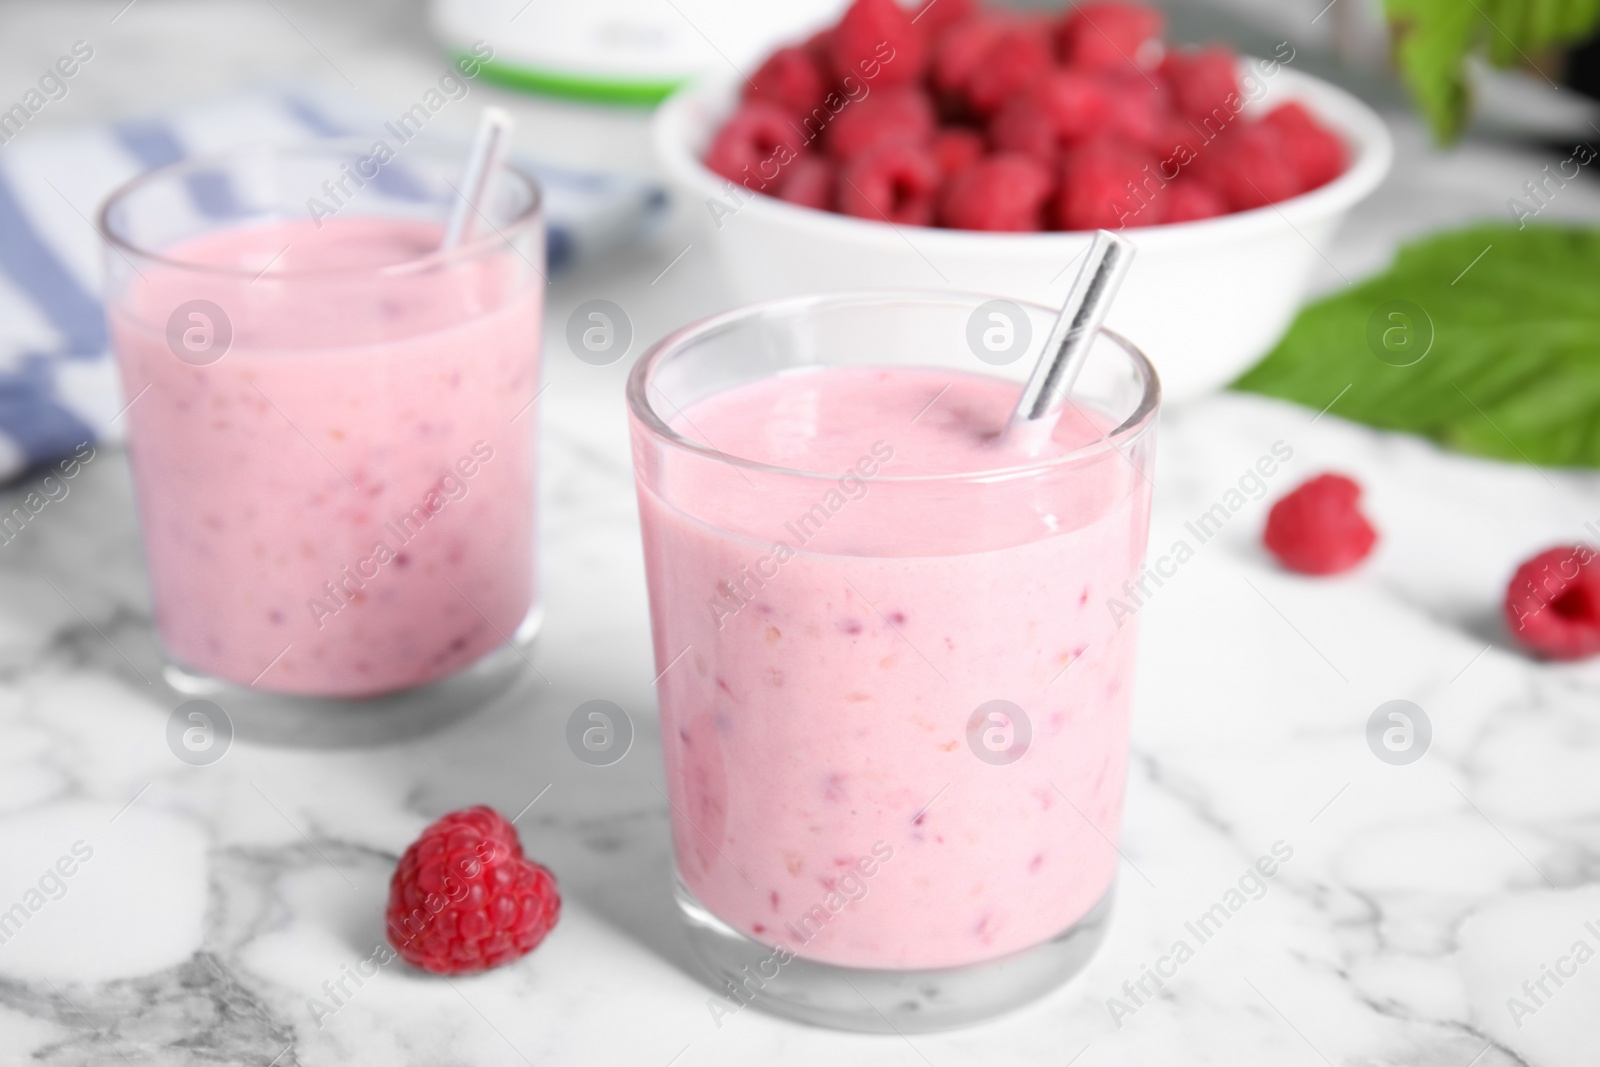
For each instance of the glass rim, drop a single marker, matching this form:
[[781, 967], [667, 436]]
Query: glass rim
[[639, 380], [483, 244]]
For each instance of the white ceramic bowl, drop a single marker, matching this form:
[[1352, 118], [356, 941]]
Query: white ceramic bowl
[[1204, 299]]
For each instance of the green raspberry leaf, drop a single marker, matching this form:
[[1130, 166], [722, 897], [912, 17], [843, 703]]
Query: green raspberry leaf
[[1432, 40], [1486, 340]]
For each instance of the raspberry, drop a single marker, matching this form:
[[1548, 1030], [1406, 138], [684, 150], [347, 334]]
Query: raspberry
[[1201, 80], [754, 143], [1318, 528], [959, 50], [883, 118], [1042, 25], [1188, 200], [809, 181], [1105, 36], [1078, 104], [877, 40], [1316, 154], [935, 15], [788, 79], [955, 149], [1017, 59], [1003, 192], [1137, 108], [1553, 603], [464, 898], [896, 182], [1022, 125], [935, 85], [1177, 141], [1095, 193], [819, 46], [1250, 166]]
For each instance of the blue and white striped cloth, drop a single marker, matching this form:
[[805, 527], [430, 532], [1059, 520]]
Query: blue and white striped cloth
[[58, 385]]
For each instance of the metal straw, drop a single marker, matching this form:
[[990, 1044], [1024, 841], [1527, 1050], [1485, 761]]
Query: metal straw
[[1071, 338], [486, 157]]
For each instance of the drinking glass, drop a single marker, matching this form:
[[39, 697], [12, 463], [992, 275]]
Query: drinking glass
[[331, 422], [894, 707]]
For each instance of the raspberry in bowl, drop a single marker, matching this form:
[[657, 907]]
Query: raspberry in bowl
[[978, 147]]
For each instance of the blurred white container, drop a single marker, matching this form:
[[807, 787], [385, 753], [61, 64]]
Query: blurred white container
[[1204, 300], [620, 51]]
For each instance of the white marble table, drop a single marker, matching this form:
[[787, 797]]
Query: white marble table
[[219, 900]]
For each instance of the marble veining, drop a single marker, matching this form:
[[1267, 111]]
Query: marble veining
[[224, 909]]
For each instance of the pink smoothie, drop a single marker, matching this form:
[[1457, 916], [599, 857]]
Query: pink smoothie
[[343, 503], [836, 636]]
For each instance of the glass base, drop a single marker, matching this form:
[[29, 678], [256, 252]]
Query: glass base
[[335, 722], [883, 1001]]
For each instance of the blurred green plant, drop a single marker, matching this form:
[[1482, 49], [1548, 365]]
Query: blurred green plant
[[1434, 38], [1486, 340]]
